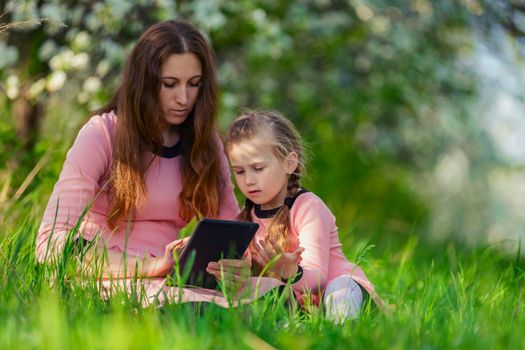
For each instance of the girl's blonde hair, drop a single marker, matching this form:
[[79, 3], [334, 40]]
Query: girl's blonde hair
[[281, 136]]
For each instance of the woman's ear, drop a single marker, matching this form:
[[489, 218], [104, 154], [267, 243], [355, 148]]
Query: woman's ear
[[291, 162]]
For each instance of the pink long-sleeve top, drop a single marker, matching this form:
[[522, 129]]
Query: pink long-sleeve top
[[83, 183], [313, 227]]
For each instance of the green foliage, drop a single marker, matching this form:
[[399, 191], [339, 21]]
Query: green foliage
[[445, 297], [381, 90]]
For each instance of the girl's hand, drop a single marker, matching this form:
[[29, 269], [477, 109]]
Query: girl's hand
[[282, 263], [233, 272], [161, 265]]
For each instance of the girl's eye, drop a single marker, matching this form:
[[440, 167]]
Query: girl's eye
[[239, 172], [259, 169]]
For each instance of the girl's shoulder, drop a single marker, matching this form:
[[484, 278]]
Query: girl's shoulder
[[310, 215], [308, 203]]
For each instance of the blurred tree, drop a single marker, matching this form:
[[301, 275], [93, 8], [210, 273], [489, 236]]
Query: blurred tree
[[509, 14], [64, 44], [380, 89]]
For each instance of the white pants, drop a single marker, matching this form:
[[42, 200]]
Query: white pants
[[342, 299]]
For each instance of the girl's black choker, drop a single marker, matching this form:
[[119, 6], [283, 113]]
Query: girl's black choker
[[265, 213], [268, 213]]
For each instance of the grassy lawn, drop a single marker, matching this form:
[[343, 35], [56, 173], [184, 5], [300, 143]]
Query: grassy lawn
[[445, 297]]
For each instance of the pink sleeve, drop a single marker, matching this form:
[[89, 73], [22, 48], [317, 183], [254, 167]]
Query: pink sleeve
[[229, 208], [313, 222], [86, 163]]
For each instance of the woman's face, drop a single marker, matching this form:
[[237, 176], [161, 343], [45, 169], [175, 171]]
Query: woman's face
[[180, 79]]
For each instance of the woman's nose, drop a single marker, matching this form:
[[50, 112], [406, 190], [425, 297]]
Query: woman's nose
[[181, 95]]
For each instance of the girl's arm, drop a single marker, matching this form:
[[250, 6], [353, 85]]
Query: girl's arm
[[314, 224], [86, 162]]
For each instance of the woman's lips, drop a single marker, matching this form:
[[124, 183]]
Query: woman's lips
[[179, 112]]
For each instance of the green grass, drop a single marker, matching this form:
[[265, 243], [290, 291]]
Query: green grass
[[445, 296]]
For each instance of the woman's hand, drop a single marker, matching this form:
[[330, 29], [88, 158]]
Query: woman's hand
[[116, 265], [280, 262], [161, 265], [233, 272]]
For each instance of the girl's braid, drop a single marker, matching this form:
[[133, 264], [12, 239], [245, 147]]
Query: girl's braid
[[293, 184]]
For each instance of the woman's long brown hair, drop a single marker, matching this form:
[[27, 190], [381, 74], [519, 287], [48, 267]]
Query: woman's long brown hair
[[136, 104]]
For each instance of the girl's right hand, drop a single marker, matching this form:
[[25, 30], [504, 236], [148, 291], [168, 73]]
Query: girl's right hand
[[233, 272]]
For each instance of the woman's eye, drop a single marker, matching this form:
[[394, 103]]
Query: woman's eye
[[169, 86], [197, 84]]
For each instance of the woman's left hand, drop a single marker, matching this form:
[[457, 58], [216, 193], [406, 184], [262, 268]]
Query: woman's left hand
[[161, 265], [232, 271]]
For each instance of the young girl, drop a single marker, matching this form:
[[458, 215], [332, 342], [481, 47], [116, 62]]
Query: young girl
[[297, 240]]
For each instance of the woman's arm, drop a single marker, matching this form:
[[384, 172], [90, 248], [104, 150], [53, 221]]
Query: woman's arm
[[87, 161], [114, 264]]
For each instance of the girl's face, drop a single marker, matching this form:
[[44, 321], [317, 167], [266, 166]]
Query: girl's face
[[180, 79], [260, 175]]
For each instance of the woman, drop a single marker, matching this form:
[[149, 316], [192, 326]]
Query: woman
[[145, 165]]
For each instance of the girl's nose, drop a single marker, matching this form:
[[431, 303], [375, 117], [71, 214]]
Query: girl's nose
[[249, 179]]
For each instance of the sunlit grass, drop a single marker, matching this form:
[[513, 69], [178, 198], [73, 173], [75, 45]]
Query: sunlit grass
[[445, 297]]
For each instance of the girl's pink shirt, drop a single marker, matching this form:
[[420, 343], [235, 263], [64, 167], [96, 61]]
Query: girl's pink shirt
[[83, 181], [313, 227]]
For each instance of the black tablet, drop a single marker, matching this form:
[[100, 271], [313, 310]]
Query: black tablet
[[213, 240]]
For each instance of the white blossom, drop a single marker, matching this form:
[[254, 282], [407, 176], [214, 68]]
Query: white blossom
[[80, 60], [364, 13], [36, 89], [103, 68], [82, 40], [12, 87], [62, 61], [55, 81], [91, 84]]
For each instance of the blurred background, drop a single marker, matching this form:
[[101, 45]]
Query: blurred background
[[413, 110]]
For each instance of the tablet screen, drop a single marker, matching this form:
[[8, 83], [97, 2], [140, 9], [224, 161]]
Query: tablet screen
[[213, 240]]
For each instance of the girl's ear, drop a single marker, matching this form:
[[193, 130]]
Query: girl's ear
[[291, 162]]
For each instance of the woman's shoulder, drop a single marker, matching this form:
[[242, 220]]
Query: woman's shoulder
[[100, 127], [95, 139], [104, 121]]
